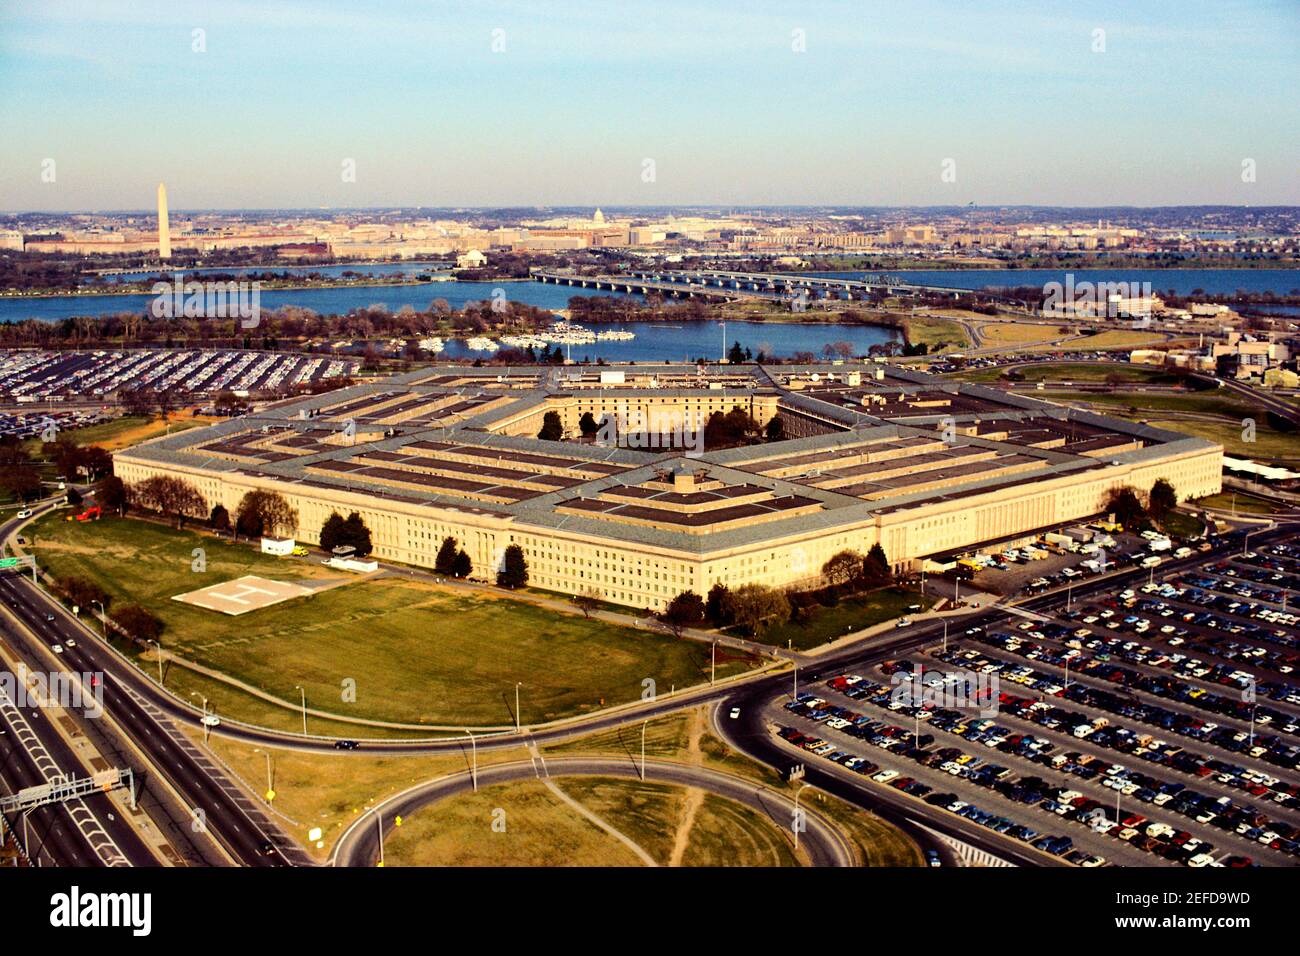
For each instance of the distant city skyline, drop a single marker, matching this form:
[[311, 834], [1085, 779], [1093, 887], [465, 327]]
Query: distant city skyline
[[308, 105]]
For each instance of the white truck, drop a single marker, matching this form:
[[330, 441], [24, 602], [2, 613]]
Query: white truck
[[360, 565]]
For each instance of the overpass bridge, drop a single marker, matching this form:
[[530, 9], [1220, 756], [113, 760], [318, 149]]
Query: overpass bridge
[[778, 286]]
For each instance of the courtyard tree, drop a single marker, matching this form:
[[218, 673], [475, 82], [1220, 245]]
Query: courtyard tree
[[552, 427]]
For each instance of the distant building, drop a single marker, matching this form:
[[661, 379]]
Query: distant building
[[471, 260], [303, 250], [911, 236], [1281, 378], [1245, 356]]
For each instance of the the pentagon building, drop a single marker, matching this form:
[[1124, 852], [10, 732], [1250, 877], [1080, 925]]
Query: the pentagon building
[[872, 454]]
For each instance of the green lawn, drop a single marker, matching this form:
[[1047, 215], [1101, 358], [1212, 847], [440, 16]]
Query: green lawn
[[417, 653], [120, 432], [1204, 403], [723, 833], [1242, 502], [1074, 372], [534, 828], [1182, 524], [1269, 445], [936, 332], [851, 614]]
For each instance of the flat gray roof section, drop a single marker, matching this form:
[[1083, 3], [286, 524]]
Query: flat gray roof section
[[497, 463]]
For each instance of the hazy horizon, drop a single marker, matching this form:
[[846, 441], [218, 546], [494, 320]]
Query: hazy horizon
[[751, 105]]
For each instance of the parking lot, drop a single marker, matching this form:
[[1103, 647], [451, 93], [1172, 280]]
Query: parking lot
[[1159, 725], [44, 376]]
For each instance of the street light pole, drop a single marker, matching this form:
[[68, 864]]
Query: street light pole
[[945, 635], [298, 688], [518, 724], [379, 823], [473, 766], [644, 725], [103, 617], [205, 714], [713, 662], [796, 816], [160, 674]]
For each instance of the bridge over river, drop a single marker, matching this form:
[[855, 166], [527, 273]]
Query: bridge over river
[[773, 286]]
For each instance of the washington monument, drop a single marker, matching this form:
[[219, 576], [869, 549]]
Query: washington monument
[[164, 229]]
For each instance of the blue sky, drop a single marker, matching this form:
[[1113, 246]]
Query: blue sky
[[586, 91]]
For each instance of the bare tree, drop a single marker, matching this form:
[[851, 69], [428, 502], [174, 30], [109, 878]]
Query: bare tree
[[170, 496], [587, 601]]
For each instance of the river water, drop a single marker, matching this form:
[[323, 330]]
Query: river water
[[656, 341]]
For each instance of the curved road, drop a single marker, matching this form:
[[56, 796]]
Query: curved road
[[359, 845]]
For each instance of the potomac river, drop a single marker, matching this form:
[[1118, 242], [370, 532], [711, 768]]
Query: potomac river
[[655, 341]]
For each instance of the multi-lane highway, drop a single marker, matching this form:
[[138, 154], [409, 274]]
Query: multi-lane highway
[[214, 805], [88, 831]]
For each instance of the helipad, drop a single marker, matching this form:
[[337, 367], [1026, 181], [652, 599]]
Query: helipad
[[242, 595]]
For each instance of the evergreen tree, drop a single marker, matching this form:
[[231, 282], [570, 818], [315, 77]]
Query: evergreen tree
[[1163, 499], [514, 573], [875, 566], [552, 427], [717, 607], [219, 520], [445, 563], [357, 534], [332, 532], [463, 566]]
